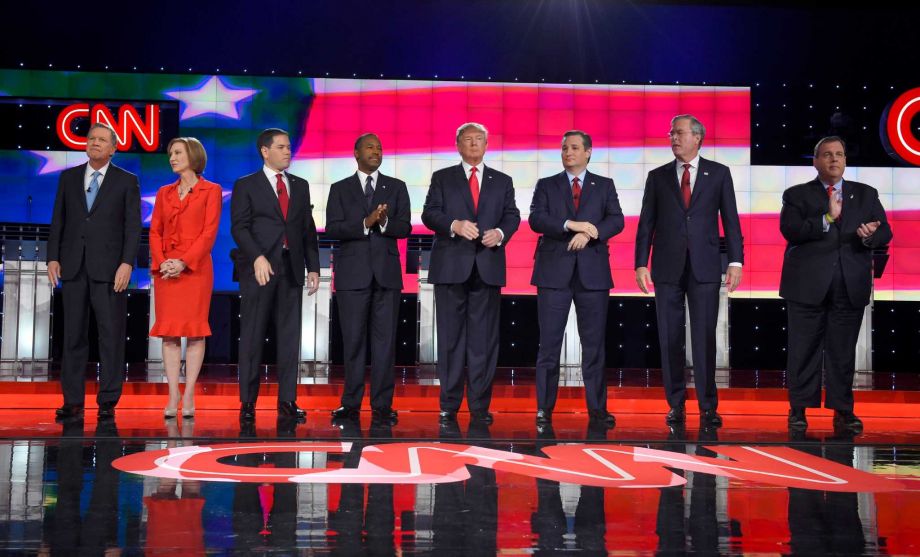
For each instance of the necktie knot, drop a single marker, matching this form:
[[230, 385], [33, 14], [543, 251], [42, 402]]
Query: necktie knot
[[830, 190], [687, 166]]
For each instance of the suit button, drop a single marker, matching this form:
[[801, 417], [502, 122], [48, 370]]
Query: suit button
[[688, 218]]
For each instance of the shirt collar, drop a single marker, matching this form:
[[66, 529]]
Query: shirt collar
[[695, 163], [838, 185], [479, 167], [270, 174], [102, 171], [581, 177], [362, 177]]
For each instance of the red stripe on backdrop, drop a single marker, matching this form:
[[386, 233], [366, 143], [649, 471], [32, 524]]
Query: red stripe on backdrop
[[763, 249], [424, 120]]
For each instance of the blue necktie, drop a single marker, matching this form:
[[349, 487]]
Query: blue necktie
[[92, 190]]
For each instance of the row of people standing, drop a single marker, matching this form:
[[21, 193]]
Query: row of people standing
[[471, 208]]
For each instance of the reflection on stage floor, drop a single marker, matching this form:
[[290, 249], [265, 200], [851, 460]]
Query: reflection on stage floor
[[68, 493]]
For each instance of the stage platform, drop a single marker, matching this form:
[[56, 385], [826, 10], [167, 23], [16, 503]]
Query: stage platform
[[209, 485]]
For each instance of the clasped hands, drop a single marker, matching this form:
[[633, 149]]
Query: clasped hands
[[378, 215], [171, 268], [470, 231], [584, 233]]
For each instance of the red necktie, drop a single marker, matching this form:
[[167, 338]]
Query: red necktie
[[283, 201], [576, 191], [830, 191], [474, 188], [282, 196], [685, 185]]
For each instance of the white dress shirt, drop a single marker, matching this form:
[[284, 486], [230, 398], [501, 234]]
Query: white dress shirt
[[271, 175], [88, 177]]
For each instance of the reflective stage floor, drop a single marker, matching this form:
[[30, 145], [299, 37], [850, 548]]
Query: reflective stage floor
[[207, 486]]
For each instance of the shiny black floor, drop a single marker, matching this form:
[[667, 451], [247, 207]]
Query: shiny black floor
[[62, 496]]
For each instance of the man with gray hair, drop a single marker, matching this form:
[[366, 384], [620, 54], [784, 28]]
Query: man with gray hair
[[471, 209], [92, 245], [681, 208], [831, 226]]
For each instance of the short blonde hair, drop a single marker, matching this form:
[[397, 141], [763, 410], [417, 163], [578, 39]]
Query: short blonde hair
[[197, 157], [472, 125]]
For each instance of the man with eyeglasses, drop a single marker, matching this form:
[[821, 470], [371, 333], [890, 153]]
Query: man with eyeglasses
[[681, 208], [831, 226]]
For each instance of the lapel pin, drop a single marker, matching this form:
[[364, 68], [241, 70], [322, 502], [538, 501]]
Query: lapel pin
[[851, 196], [592, 183], [705, 174]]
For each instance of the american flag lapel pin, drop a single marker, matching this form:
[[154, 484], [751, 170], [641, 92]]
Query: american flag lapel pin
[[705, 174]]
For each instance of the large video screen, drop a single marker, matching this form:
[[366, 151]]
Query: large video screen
[[45, 113]]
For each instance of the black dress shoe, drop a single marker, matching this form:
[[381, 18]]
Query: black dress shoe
[[481, 416], [676, 415], [797, 421], [69, 411], [106, 411], [446, 416], [248, 411], [384, 414], [544, 416], [710, 418], [290, 408], [346, 412], [846, 420], [602, 417]]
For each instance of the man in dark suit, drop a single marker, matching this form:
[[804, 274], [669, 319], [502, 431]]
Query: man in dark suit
[[92, 245], [367, 212], [577, 212], [680, 213], [471, 209], [272, 223], [831, 226]]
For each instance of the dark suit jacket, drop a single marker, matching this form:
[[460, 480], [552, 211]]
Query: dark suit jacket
[[552, 205], [363, 257], [259, 228], [449, 199], [811, 253], [108, 234], [675, 231]]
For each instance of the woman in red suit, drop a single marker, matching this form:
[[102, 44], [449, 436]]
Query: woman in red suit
[[182, 232]]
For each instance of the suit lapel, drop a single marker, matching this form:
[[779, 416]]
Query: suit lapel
[[356, 191], [380, 191], [565, 191], [587, 189], [108, 182], [674, 188], [702, 180], [78, 187], [266, 188], [464, 185], [294, 195], [852, 200]]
